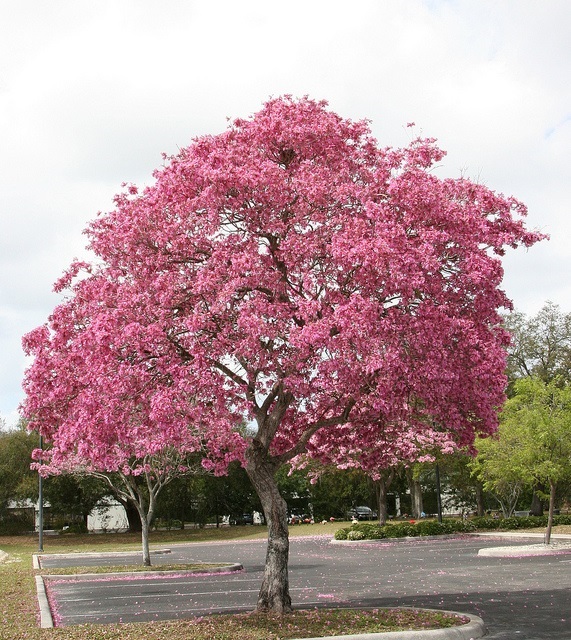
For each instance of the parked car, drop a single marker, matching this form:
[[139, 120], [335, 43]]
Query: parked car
[[361, 513], [245, 518]]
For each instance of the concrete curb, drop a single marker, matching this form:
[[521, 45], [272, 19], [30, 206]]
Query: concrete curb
[[77, 577], [526, 550], [445, 536], [36, 562], [46, 620], [469, 631], [518, 535]]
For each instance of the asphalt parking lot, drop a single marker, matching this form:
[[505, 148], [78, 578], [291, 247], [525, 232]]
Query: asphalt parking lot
[[518, 597]]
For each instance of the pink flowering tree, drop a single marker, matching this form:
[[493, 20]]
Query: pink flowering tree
[[293, 274], [101, 408]]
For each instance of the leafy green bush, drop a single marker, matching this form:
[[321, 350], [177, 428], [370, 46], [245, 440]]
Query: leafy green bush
[[435, 528], [486, 522], [341, 534], [370, 530], [355, 535], [16, 524], [402, 530]]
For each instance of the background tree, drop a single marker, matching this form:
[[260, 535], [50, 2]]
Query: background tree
[[495, 466], [412, 474], [540, 413], [462, 489], [72, 498], [18, 483], [541, 347], [292, 273], [335, 491]]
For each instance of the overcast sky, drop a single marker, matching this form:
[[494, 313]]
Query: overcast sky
[[92, 92]]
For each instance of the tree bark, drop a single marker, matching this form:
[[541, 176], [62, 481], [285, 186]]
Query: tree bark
[[415, 494], [145, 542], [274, 593], [536, 508], [480, 499], [385, 480]]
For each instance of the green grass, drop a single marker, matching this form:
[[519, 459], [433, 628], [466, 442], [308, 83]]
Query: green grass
[[129, 568], [19, 609]]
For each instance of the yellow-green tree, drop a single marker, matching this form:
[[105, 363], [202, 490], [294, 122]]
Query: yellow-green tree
[[533, 445]]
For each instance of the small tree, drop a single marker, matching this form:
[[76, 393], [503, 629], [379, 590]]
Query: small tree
[[18, 483], [540, 344], [540, 347], [292, 273], [541, 413], [497, 468], [102, 411]]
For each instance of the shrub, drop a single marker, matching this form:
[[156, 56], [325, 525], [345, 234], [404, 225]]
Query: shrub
[[486, 522], [403, 530], [370, 531], [16, 524], [355, 535], [341, 534]]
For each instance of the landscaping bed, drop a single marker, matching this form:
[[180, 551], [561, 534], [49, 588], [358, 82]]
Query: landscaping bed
[[372, 531]]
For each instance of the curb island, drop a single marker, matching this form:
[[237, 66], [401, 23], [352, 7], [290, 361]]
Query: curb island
[[472, 630]]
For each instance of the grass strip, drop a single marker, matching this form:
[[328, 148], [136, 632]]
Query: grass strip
[[130, 568]]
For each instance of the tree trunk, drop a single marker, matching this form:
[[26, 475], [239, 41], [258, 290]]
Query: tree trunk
[[415, 494], [480, 499], [551, 509], [146, 508], [274, 593], [385, 480], [536, 508], [145, 542], [133, 517]]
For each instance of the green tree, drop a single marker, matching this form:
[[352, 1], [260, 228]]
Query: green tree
[[533, 444], [336, 491], [72, 498], [18, 482], [462, 489], [540, 345], [541, 413], [496, 466]]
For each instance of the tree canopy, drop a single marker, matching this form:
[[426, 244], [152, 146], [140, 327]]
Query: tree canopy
[[540, 345], [293, 274], [533, 444]]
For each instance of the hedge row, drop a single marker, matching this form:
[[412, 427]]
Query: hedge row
[[371, 531]]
